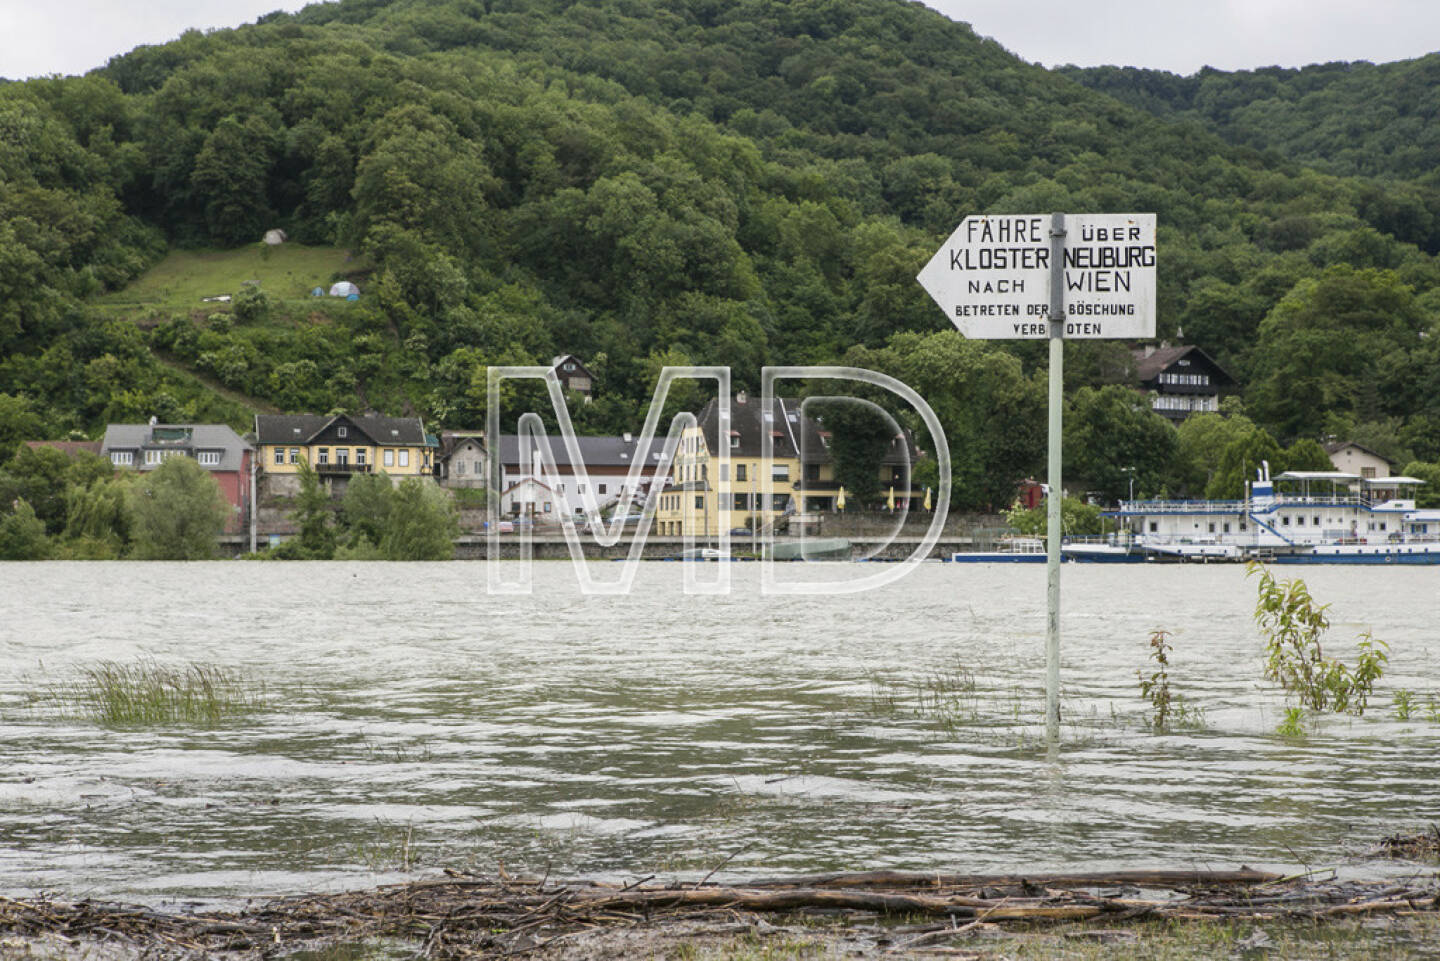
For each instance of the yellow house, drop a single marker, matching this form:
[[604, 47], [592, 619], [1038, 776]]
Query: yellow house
[[704, 497], [694, 502], [339, 447]]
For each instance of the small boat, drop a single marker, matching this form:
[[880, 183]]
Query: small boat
[[1008, 550], [811, 549], [1110, 551]]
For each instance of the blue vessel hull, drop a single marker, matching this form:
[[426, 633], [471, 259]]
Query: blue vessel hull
[[1429, 559]]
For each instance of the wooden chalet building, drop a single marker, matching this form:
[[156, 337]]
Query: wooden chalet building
[[1181, 380], [573, 375]]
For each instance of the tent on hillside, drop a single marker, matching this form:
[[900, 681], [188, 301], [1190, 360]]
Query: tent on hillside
[[345, 289], [275, 238]]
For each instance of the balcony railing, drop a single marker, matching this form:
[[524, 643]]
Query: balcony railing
[[343, 467]]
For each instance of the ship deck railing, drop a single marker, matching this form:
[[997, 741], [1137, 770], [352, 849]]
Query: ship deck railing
[[1281, 499], [1181, 507]]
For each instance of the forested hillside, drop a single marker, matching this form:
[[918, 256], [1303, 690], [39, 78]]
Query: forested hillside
[[650, 182], [1352, 119]]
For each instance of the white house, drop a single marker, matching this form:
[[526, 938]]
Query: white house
[[604, 473], [462, 461], [1352, 458]]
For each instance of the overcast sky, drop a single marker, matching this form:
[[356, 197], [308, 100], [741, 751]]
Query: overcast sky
[[72, 36]]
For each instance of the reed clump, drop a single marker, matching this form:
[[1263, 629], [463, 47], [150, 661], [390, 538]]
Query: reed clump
[[147, 693]]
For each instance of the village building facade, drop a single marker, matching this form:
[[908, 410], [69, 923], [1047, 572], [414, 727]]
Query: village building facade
[[339, 447], [215, 447]]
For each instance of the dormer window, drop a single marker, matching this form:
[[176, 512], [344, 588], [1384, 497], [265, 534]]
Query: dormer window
[[340, 432]]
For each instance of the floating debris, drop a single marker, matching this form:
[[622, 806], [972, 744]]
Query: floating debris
[[1415, 847]]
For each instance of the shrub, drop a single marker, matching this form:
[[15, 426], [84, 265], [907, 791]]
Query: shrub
[[1293, 624]]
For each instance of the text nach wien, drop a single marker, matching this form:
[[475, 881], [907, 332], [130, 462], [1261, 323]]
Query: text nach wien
[[1101, 263]]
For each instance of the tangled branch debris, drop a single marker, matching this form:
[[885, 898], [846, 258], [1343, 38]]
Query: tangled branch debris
[[465, 916], [1424, 846]]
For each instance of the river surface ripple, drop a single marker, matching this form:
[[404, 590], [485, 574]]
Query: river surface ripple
[[414, 722]]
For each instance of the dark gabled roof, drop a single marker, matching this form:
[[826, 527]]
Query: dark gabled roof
[[748, 421], [301, 428], [796, 435], [451, 439], [288, 428], [815, 450], [1152, 365], [559, 359], [70, 448], [605, 451], [1336, 446]]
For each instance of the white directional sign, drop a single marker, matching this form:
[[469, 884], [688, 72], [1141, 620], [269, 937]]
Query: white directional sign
[[992, 277]]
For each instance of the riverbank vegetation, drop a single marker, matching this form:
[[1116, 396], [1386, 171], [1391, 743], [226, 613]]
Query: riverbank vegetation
[[650, 183], [376, 520], [79, 508]]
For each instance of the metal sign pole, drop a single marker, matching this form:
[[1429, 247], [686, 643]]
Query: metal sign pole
[[988, 278], [1052, 516]]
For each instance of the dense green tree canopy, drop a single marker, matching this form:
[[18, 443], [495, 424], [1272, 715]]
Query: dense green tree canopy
[[1112, 436], [659, 181], [22, 534], [421, 525], [176, 512]]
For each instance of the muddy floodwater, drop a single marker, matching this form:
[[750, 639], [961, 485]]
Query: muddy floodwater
[[409, 721]]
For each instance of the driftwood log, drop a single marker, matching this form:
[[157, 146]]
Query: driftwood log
[[468, 916]]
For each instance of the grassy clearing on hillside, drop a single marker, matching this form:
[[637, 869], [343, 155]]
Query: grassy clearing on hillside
[[181, 281]]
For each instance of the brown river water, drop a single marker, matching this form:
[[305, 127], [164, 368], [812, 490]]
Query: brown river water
[[410, 722]]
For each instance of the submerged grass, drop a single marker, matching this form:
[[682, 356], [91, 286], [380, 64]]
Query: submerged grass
[[146, 692]]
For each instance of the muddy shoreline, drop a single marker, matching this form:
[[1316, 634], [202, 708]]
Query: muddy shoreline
[[866, 915]]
